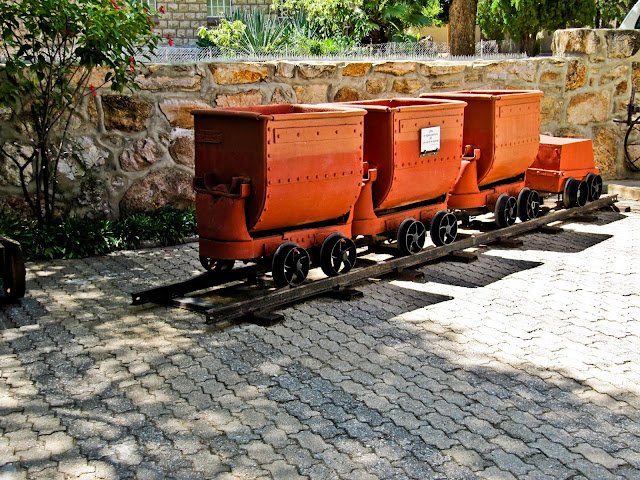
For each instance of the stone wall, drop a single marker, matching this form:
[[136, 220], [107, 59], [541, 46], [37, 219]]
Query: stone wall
[[137, 151]]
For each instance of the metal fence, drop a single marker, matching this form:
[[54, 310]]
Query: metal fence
[[389, 51], [428, 50]]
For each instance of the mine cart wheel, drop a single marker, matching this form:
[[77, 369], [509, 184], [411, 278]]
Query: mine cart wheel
[[594, 186], [506, 210], [212, 264], [13, 276], [337, 255], [290, 265], [575, 193], [412, 235], [444, 228], [528, 204], [632, 146]]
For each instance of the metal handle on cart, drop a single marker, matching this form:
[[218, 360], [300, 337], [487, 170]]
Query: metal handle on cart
[[371, 174], [471, 153], [240, 187]]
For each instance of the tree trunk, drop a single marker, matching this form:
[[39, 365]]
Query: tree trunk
[[528, 45], [462, 27]]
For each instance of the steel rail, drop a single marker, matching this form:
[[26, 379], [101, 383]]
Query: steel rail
[[272, 299]]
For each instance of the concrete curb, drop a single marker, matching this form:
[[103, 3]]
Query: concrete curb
[[630, 190]]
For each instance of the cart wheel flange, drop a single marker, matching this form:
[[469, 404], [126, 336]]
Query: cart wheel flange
[[594, 186], [290, 265], [337, 255], [528, 204], [506, 210], [444, 228], [411, 237], [215, 265]]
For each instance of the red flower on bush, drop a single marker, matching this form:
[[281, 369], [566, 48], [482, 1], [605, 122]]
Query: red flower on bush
[[113, 2], [161, 8], [170, 37]]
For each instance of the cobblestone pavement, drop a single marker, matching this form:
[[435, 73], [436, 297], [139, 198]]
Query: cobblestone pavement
[[524, 364]]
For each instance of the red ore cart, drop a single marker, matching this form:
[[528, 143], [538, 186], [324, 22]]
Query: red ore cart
[[566, 166], [501, 137], [412, 154], [276, 182]]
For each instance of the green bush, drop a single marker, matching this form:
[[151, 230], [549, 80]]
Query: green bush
[[226, 36], [75, 237], [250, 33]]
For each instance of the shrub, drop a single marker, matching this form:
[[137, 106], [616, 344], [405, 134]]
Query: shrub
[[75, 237], [251, 33], [50, 49], [227, 36]]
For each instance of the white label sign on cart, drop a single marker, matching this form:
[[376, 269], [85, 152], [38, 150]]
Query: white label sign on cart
[[429, 141]]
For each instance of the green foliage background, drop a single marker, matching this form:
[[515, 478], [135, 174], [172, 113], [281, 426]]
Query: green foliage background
[[75, 237], [611, 13], [523, 19]]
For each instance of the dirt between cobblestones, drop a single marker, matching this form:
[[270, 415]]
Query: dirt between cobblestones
[[521, 365]]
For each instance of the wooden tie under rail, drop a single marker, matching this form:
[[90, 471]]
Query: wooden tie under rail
[[260, 305]]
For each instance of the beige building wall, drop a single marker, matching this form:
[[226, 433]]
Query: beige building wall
[[441, 34]]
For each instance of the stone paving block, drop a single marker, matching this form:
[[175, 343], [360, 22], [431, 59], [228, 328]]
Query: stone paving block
[[496, 473], [467, 457], [592, 470], [310, 441], [597, 455], [443, 379], [12, 472], [509, 462]]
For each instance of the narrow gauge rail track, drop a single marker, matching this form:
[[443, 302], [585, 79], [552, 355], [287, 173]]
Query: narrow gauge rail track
[[258, 302]]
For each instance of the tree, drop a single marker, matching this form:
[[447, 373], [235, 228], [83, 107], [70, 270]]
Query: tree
[[611, 13], [392, 18], [462, 27], [381, 21], [50, 48], [522, 20]]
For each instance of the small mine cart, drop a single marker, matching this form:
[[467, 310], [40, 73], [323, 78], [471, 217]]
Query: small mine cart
[[567, 166], [12, 268]]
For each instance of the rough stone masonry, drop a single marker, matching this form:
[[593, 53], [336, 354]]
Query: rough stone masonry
[[137, 151]]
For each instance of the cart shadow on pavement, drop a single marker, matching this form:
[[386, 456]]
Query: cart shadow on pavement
[[480, 273], [599, 218], [567, 241], [20, 313]]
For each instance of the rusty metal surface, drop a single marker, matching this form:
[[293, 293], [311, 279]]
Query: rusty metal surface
[[312, 155], [392, 144], [559, 159], [505, 125]]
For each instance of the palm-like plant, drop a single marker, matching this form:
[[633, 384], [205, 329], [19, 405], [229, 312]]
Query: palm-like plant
[[393, 17], [263, 33]]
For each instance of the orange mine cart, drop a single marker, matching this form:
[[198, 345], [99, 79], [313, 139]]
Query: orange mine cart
[[501, 134], [566, 166], [275, 181], [412, 153]]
